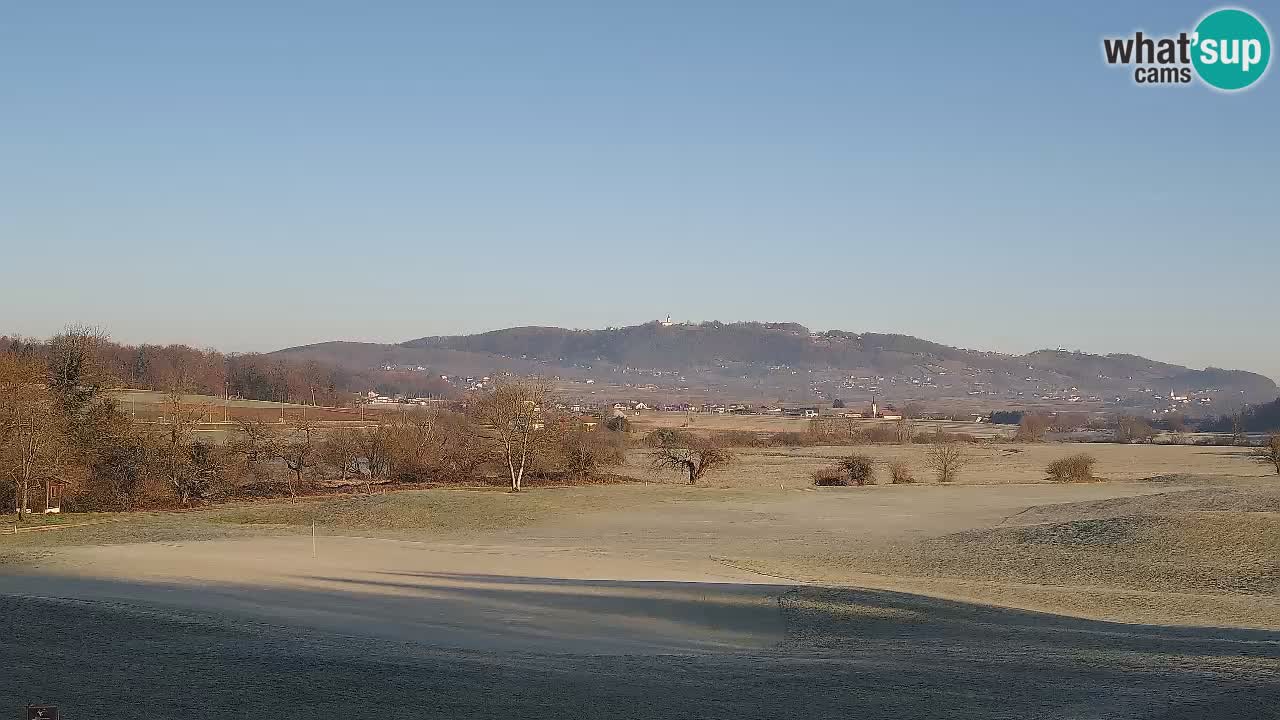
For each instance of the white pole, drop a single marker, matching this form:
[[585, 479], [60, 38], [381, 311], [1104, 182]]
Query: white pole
[[313, 538]]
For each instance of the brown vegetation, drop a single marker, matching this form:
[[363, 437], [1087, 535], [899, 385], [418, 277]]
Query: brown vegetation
[[1131, 429], [513, 413], [900, 472], [188, 465], [829, 476], [1270, 452], [1034, 426], [59, 429], [33, 429], [84, 360], [855, 469], [946, 459], [1073, 468], [687, 453], [837, 431]]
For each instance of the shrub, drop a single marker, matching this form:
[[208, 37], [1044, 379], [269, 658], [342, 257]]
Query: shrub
[[946, 460], [830, 476], [860, 469], [584, 454], [855, 469], [1073, 468], [900, 473]]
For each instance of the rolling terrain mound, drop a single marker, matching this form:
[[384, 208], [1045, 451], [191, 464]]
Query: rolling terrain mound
[[1220, 541]]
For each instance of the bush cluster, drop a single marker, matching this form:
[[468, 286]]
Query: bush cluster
[[856, 469], [900, 472], [1073, 468]]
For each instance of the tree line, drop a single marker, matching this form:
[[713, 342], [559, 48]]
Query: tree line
[[253, 376], [1130, 428], [61, 428], [1263, 417]]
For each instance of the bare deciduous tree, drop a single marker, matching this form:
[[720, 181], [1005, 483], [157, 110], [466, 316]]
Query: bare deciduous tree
[[687, 453], [904, 431], [76, 367], [418, 434], [1239, 434], [377, 446], [297, 449], [340, 450], [462, 449], [178, 457], [33, 432], [257, 442], [584, 453], [1270, 453], [1034, 426], [119, 471], [1131, 429], [1178, 428], [512, 411], [900, 472], [946, 459]]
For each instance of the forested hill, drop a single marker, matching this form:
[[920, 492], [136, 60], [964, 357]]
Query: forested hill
[[789, 360]]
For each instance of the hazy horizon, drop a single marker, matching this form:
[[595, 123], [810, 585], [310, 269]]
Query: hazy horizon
[[252, 178]]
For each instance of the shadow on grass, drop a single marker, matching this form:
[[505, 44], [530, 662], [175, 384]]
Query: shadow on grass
[[538, 647]]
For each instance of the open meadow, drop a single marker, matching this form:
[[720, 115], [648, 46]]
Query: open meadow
[[151, 405], [984, 463], [767, 423], [1152, 592]]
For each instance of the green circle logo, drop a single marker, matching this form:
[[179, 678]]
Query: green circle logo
[[1232, 49]]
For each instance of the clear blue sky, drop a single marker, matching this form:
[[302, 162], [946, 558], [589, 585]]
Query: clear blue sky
[[251, 177]]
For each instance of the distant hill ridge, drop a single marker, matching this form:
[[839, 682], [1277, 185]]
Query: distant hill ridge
[[768, 356]]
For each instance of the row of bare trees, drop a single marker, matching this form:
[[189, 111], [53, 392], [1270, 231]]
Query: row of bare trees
[[512, 430], [209, 372], [58, 428]]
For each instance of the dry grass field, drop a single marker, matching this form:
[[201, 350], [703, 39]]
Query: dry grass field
[[644, 421], [986, 463], [1153, 593], [149, 405]]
